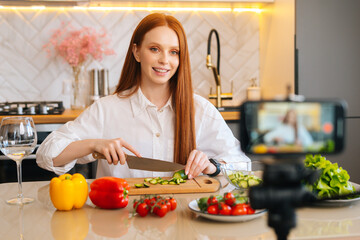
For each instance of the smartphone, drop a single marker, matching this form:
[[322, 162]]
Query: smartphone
[[273, 128]]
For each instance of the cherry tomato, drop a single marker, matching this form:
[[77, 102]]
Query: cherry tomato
[[142, 209], [160, 209], [212, 200], [135, 203], [250, 210], [229, 198], [239, 209], [224, 209], [167, 203], [173, 203], [213, 209]]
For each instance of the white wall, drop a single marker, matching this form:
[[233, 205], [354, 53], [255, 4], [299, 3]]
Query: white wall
[[27, 74]]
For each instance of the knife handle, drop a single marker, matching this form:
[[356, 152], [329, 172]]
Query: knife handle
[[98, 155]]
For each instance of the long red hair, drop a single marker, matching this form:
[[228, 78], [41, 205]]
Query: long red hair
[[180, 84]]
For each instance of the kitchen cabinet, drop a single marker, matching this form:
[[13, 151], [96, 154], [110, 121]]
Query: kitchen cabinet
[[64, 3]]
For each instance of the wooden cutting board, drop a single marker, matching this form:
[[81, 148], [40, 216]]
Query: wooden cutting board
[[199, 184]]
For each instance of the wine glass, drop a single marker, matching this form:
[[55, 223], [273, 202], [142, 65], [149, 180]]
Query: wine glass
[[18, 140]]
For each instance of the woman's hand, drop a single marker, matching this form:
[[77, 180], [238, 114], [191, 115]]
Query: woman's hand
[[113, 151], [198, 163]]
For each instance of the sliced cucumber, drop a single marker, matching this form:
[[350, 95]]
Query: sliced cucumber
[[147, 179], [153, 181], [180, 175], [254, 182]]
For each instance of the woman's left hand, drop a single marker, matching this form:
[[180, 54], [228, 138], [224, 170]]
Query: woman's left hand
[[198, 162]]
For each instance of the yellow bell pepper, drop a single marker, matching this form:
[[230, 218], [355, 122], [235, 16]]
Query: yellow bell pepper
[[68, 191]]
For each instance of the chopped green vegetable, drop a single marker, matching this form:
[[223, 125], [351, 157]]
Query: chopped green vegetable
[[243, 180], [147, 179], [180, 175], [153, 181]]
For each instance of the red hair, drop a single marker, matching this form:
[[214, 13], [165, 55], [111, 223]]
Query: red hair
[[180, 84]]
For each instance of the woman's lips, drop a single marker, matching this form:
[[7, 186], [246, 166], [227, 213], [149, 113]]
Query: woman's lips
[[161, 71]]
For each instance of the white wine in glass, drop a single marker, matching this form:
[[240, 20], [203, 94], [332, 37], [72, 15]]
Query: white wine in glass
[[18, 140]]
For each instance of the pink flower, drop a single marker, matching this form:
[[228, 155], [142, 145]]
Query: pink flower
[[77, 46]]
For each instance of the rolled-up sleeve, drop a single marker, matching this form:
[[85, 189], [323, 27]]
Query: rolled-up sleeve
[[86, 126]]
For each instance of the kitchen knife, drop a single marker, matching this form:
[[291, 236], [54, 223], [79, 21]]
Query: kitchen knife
[[147, 164]]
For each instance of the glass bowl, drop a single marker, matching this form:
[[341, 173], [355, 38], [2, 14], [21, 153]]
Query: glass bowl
[[243, 175]]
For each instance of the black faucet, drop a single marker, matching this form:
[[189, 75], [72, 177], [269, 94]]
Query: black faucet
[[208, 63], [216, 70]]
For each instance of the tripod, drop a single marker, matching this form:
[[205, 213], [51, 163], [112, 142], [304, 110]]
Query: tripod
[[282, 192]]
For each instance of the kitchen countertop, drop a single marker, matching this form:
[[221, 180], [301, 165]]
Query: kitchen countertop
[[69, 115], [40, 220], [66, 116]]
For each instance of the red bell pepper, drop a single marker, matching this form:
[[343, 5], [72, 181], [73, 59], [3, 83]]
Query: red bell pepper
[[109, 192]]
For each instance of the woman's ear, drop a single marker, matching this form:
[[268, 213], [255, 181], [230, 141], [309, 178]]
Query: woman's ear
[[135, 51]]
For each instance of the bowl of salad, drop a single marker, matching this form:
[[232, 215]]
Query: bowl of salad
[[243, 175]]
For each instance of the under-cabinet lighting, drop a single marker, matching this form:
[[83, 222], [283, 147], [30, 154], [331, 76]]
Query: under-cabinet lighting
[[38, 7], [257, 10], [171, 9]]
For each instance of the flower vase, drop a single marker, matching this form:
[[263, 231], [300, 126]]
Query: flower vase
[[79, 96]]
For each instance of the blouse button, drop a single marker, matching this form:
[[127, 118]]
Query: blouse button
[[161, 110], [157, 134]]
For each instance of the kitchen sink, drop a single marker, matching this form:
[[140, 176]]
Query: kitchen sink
[[229, 109]]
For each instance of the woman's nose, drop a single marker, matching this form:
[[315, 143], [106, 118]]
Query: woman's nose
[[164, 58]]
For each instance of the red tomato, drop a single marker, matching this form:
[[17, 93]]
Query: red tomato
[[161, 209], [213, 209], [250, 210], [224, 209], [142, 209], [212, 200], [229, 198], [239, 209], [173, 203], [167, 203], [151, 202], [136, 202]]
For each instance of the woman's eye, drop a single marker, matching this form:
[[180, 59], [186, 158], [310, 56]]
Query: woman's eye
[[154, 49], [174, 52]]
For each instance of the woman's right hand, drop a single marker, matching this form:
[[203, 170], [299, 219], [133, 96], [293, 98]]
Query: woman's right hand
[[113, 151]]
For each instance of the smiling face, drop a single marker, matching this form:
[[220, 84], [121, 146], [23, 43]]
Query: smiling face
[[158, 56]]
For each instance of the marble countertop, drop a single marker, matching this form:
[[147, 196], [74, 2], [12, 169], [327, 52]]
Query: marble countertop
[[40, 220]]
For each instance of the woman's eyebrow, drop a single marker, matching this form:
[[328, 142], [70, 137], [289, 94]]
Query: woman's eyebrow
[[155, 43]]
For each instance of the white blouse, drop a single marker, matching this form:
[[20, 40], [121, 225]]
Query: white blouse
[[148, 129]]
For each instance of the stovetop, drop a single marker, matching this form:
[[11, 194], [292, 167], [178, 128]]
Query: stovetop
[[31, 108]]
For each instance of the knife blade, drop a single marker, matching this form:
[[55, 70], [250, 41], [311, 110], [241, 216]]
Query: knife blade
[[147, 164]]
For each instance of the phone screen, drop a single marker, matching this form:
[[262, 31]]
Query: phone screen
[[284, 127]]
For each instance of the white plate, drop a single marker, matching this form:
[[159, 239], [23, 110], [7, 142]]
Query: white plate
[[340, 202], [224, 218]]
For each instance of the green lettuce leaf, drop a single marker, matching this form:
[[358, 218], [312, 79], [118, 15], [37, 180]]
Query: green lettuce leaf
[[334, 180]]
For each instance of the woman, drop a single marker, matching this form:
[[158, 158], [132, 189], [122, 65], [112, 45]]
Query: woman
[[153, 113], [289, 132]]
